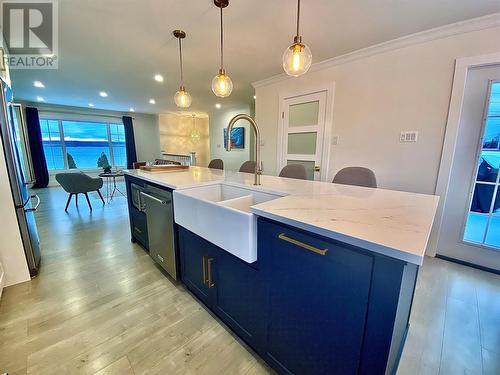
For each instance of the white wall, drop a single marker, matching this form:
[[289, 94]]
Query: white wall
[[378, 96], [147, 136], [218, 121], [11, 247], [175, 136]]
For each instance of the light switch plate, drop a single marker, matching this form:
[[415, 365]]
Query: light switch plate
[[335, 140]]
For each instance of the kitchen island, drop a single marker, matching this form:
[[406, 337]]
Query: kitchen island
[[328, 278]]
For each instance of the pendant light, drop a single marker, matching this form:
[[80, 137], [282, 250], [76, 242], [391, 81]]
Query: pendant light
[[182, 98], [222, 84], [297, 58], [195, 134]]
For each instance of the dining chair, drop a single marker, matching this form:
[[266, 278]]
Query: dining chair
[[216, 164], [138, 164], [297, 171], [248, 166], [358, 176]]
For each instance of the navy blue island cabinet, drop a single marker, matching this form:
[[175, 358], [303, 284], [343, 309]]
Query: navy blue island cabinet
[[309, 305], [318, 299], [233, 289]]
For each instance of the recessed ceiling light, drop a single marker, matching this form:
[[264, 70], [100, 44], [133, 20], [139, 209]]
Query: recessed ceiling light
[[38, 84], [91, 105], [40, 99], [104, 94], [254, 97], [132, 110], [158, 78], [218, 106], [152, 101]]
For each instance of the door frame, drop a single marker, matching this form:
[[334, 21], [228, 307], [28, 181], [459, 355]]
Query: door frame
[[472, 180], [462, 66], [329, 88]]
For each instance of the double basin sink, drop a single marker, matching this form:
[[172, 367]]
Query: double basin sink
[[220, 213]]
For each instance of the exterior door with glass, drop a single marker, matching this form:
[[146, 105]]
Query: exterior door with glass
[[303, 129], [470, 229]]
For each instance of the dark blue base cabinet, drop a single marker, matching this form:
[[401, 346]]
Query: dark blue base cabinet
[[310, 305]]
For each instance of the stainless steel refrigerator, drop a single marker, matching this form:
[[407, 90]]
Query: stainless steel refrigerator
[[20, 170]]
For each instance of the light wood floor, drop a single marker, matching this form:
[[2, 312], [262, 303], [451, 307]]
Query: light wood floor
[[101, 306]]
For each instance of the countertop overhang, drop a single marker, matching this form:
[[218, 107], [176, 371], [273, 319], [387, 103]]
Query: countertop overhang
[[393, 223]]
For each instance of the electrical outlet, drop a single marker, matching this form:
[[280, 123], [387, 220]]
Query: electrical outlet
[[408, 136]]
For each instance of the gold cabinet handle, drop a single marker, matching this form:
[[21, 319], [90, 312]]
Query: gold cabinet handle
[[204, 268], [138, 230], [209, 266], [284, 237]]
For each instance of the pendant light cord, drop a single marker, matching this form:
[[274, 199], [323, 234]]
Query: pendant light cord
[[221, 40], [298, 16], [180, 59]]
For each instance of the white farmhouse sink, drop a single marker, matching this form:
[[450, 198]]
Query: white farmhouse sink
[[221, 214]]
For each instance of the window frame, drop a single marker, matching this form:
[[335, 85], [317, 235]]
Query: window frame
[[49, 133], [474, 180], [60, 118]]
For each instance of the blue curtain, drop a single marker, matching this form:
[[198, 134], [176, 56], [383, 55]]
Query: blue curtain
[[129, 141], [36, 148]]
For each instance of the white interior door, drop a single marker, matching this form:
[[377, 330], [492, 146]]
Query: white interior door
[[470, 229], [303, 133]]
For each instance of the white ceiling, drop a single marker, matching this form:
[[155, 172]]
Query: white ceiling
[[118, 45]]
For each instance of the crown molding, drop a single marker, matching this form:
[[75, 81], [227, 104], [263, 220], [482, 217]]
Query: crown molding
[[473, 24]]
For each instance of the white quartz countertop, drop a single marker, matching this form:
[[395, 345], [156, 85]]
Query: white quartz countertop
[[393, 223]]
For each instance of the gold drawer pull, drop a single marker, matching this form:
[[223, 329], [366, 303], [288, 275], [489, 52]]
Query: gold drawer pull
[[284, 237], [138, 230], [204, 268]]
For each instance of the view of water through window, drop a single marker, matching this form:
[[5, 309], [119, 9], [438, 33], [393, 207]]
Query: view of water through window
[[83, 145]]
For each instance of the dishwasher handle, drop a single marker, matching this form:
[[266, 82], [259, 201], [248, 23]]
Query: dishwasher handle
[[157, 200]]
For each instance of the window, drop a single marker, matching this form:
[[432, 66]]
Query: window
[[483, 219], [83, 145], [117, 133], [52, 145]]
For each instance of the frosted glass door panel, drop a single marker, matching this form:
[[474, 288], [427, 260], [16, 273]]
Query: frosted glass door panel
[[303, 114], [302, 143]]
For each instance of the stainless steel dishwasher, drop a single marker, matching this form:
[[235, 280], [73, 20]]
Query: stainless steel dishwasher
[[157, 204]]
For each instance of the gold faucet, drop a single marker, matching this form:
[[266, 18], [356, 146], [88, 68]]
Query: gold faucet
[[258, 162]]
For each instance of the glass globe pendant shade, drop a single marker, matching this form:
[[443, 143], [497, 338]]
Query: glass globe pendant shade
[[195, 136], [222, 86], [182, 98], [297, 59]]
